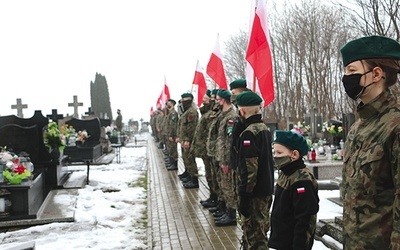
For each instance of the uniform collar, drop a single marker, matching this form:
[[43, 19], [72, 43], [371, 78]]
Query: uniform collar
[[376, 106], [252, 119]]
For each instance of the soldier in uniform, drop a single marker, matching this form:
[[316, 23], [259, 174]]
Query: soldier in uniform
[[294, 212], [171, 135], [371, 165], [255, 169], [223, 144], [159, 121], [211, 143], [187, 127], [199, 147]]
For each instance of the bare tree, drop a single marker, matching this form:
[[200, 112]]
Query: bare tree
[[235, 53], [375, 17]]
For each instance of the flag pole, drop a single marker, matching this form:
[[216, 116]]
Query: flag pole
[[254, 82]]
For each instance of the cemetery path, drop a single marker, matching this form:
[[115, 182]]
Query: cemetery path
[[176, 219]]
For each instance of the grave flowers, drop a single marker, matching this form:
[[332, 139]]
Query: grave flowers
[[14, 172], [54, 140], [301, 129], [82, 136]]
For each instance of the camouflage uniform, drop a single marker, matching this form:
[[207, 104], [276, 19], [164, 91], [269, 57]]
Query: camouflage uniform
[[294, 213], [159, 120], [371, 177], [188, 123], [164, 128], [211, 149], [171, 131], [199, 148], [223, 145], [255, 181]]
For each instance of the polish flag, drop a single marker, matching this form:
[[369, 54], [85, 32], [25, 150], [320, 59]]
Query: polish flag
[[164, 96], [246, 143], [200, 81], [151, 111], [301, 190], [258, 53], [215, 68]]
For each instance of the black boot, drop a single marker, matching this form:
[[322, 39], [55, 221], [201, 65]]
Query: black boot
[[228, 220], [160, 145], [173, 165], [183, 175], [211, 202], [193, 183], [186, 179], [221, 211]]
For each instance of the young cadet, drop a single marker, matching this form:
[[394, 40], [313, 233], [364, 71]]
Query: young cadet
[[255, 170], [294, 212]]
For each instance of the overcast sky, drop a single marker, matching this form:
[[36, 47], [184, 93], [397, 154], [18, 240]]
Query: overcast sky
[[51, 50]]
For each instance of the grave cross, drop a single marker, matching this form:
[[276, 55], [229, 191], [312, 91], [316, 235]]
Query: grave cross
[[19, 107], [54, 116], [75, 104], [89, 112]]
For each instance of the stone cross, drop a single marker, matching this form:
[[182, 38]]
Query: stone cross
[[75, 104], [54, 116], [89, 112], [19, 107]]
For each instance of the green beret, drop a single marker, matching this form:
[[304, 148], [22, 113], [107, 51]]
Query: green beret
[[248, 98], [208, 93], [292, 140], [224, 94], [238, 83], [172, 100], [370, 47], [214, 91], [184, 95]]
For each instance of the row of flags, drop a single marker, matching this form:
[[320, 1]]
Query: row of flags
[[258, 56]]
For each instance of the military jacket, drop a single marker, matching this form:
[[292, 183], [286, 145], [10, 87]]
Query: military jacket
[[224, 136], [172, 124], [255, 162], [294, 212], [213, 132], [187, 124], [371, 178], [200, 136], [159, 120]]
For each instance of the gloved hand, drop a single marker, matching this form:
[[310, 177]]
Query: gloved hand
[[244, 205]]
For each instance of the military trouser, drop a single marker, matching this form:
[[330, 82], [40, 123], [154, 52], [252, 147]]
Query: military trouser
[[207, 160], [228, 188], [172, 149], [216, 178], [256, 226], [190, 162]]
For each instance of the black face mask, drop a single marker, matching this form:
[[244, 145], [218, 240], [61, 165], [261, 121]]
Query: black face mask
[[351, 84], [186, 104]]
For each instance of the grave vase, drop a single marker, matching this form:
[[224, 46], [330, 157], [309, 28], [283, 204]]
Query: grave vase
[[55, 153]]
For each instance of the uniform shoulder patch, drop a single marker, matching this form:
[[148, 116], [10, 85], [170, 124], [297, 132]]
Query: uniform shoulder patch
[[246, 143], [301, 190]]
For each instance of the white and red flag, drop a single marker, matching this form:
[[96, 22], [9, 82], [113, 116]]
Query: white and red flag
[[215, 67], [164, 96], [200, 81], [258, 53]]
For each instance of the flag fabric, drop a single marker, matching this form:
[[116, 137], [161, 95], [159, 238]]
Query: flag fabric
[[258, 53], [215, 67], [151, 111], [164, 96], [200, 81]]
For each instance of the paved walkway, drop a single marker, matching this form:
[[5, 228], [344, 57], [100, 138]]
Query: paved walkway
[[176, 219]]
